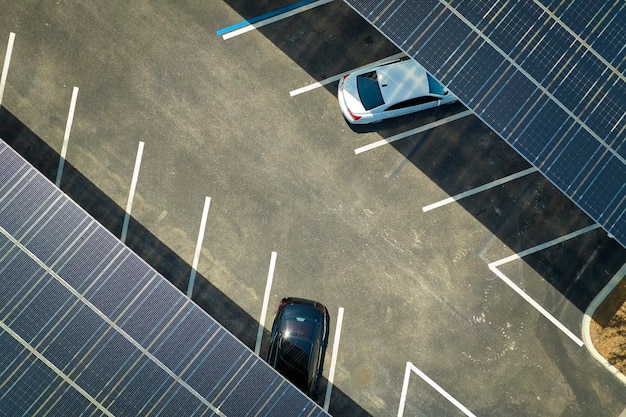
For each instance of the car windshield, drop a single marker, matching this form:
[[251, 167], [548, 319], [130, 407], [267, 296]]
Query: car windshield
[[435, 86], [369, 91], [298, 322]]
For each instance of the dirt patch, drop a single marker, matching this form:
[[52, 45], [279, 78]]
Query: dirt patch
[[608, 328]]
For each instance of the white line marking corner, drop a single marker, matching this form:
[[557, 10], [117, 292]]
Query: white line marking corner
[[405, 385]]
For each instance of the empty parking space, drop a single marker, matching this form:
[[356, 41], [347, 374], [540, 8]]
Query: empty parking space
[[479, 189], [494, 267]]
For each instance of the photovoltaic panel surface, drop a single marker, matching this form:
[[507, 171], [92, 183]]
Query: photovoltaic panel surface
[[547, 76], [88, 328]]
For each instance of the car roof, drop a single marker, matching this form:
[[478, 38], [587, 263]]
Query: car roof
[[402, 81]]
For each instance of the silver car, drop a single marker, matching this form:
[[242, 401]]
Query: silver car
[[393, 89]]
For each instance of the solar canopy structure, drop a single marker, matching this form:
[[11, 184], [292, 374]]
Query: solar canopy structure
[[546, 75], [88, 328]]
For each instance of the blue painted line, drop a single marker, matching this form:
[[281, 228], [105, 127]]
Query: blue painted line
[[262, 17]]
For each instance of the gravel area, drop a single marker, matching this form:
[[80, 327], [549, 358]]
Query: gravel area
[[608, 328]]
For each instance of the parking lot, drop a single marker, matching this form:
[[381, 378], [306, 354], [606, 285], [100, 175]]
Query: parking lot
[[461, 274]]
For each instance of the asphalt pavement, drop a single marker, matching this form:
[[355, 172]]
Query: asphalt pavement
[[433, 288]]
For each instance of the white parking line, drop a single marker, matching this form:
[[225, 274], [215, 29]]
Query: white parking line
[[545, 245], [131, 194], [493, 266], [477, 190], [5, 67], [196, 255], [159, 219], [405, 386], [333, 360], [66, 136], [273, 19], [586, 324], [338, 77], [266, 300], [413, 131]]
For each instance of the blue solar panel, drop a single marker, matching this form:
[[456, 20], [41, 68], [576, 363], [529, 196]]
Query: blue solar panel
[[548, 77], [88, 328], [446, 46]]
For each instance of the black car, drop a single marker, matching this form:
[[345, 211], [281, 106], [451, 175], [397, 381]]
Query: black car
[[298, 342]]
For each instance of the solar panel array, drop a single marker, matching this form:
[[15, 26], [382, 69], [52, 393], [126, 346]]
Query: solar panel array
[[88, 328], [546, 75]]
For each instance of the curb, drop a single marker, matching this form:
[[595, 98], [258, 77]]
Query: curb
[[586, 332]]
